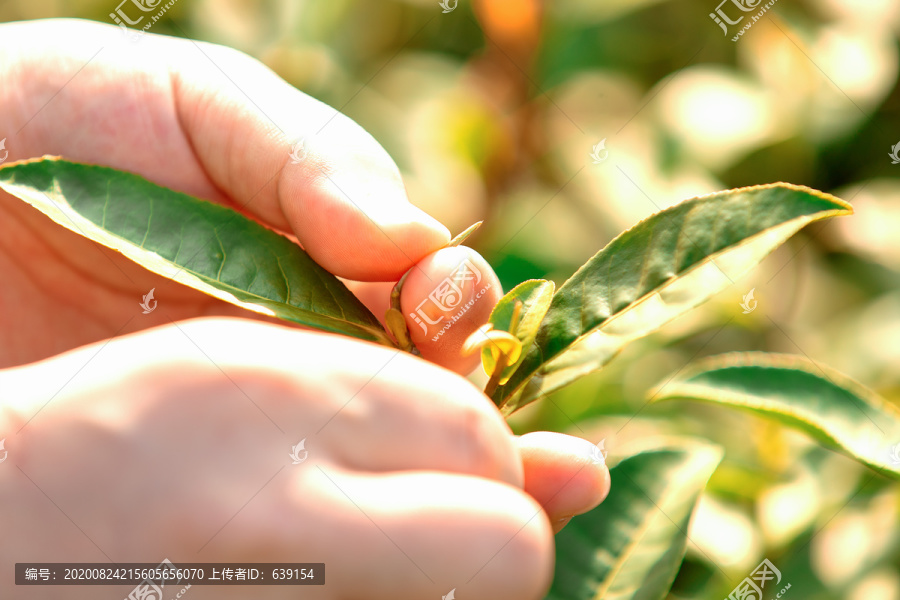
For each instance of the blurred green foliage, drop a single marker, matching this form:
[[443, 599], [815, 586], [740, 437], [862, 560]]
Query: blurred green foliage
[[492, 111]]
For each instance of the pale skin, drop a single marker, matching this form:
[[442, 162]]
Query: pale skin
[[140, 437]]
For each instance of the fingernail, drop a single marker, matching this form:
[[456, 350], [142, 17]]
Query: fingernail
[[557, 527]]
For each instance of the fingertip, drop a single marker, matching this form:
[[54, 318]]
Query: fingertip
[[445, 298], [559, 524], [562, 476], [356, 241]]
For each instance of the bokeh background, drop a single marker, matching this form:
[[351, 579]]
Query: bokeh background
[[492, 111]]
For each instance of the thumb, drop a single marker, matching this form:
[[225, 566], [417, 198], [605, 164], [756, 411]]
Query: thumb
[[298, 164]]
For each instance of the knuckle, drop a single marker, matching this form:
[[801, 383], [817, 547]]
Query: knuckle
[[476, 443]]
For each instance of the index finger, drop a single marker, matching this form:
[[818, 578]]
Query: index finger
[[211, 121]]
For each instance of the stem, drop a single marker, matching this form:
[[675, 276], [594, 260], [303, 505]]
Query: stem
[[395, 292], [494, 381], [503, 360], [403, 337]]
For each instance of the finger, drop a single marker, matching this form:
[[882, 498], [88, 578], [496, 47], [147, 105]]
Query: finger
[[561, 476], [415, 416], [211, 121], [344, 198], [420, 535], [445, 299], [400, 412]]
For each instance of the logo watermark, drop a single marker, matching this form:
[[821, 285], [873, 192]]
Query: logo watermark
[[748, 303], [148, 298], [448, 7], [723, 20], [299, 453], [894, 154], [599, 453], [152, 588], [4, 153], [599, 153], [751, 588], [298, 151], [121, 18], [893, 454], [448, 296], [3, 451]]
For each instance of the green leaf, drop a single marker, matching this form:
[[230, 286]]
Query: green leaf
[[657, 270], [631, 546], [535, 296], [829, 406], [200, 244]]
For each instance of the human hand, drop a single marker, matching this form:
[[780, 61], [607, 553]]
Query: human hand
[[202, 119], [174, 443]]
